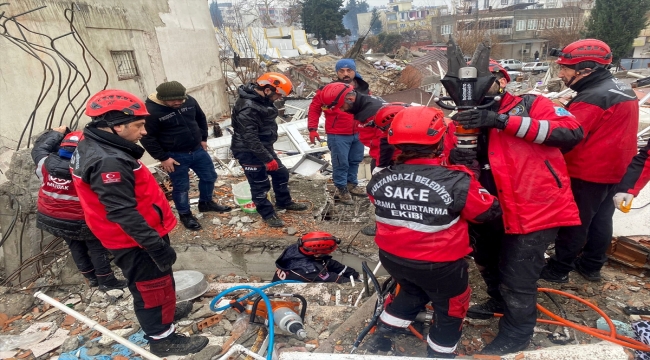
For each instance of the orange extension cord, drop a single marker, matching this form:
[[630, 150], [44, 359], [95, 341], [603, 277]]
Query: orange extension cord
[[610, 335]]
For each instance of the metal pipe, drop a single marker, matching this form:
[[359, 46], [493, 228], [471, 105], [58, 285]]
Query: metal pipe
[[94, 325], [239, 349]]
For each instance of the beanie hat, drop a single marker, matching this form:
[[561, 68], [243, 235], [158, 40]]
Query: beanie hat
[[172, 90], [347, 64]]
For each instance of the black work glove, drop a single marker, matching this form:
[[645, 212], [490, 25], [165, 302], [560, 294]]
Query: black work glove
[[461, 156], [164, 256], [474, 119]]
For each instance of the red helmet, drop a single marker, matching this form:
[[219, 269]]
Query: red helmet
[[334, 94], [386, 114], [584, 50], [420, 125], [115, 100], [72, 139], [318, 242], [496, 67]]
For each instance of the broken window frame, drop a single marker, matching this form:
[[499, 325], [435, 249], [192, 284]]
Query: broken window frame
[[129, 56]]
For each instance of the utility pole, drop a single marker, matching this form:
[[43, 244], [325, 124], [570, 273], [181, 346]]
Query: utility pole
[[476, 28]]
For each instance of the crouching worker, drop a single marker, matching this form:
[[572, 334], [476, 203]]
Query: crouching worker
[[422, 209], [309, 260], [59, 210]]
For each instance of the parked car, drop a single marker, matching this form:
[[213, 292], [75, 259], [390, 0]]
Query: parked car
[[510, 64], [535, 67]]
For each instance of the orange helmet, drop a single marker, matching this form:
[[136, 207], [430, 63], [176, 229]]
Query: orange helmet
[[386, 114], [583, 50], [279, 82], [115, 100], [72, 139], [418, 125], [334, 94], [318, 242]]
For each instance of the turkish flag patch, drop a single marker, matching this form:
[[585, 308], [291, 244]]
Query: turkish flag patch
[[111, 177]]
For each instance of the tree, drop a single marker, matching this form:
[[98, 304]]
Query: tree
[[350, 20], [389, 42], [376, 26], [324, 19], [618, 22], [215, 14]]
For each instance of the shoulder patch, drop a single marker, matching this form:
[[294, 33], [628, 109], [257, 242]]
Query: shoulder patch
[[111, 177], [560, 111], [517, 110]]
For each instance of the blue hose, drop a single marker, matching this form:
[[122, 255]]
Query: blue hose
[[258, 291]]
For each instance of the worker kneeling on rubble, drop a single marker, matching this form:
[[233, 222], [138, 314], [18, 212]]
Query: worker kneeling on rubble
[[59, 211], [422, 210], [309, 260], [126, 209], [255, 132]]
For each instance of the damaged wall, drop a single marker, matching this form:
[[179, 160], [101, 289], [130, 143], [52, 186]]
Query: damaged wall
[[170, 40]]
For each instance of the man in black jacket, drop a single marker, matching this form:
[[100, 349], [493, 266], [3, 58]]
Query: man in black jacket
[[126, 209], [255, 132], [177, 133]]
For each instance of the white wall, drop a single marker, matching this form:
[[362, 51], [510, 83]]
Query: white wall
[[171, 40]]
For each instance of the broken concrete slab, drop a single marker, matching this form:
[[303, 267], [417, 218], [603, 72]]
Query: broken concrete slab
[[57, 339]]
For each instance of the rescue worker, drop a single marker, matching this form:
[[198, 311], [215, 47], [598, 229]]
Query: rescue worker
[[126, 209], [255, 132], [608, 111], [342, 133], [521, 163], [309, 260], [177, 134], [636, 177], [422, 211], [59, 211]]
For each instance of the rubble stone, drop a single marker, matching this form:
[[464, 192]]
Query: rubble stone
[[204, 312], [15, 304], [116, 293], [291, 230], [246, 219], [71, 343], [234, 220], [226, 325], [216, 221], [207, 353]]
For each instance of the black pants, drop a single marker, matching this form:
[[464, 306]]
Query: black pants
[[510, 266], [154, 297], [444, 284], [258, 178], [91, 258], [594, 236]]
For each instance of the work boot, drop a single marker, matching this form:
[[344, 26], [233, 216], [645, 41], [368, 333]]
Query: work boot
[[293, 206], [369, 230], [356, 190], [112, 283], [182, 310], [486, 310], [382, 339], [343, 195], [551, 275], [177, 344], [438, 355], [189, 221], [205, 206], [589, 275], [274, 221], [92, 282], [503, 344]]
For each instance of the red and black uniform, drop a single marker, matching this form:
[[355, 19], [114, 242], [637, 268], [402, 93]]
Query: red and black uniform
[[608, 111], [294, 265], [60, 213], [638, 173], [127, 210], [422, 210], [523, 166]]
